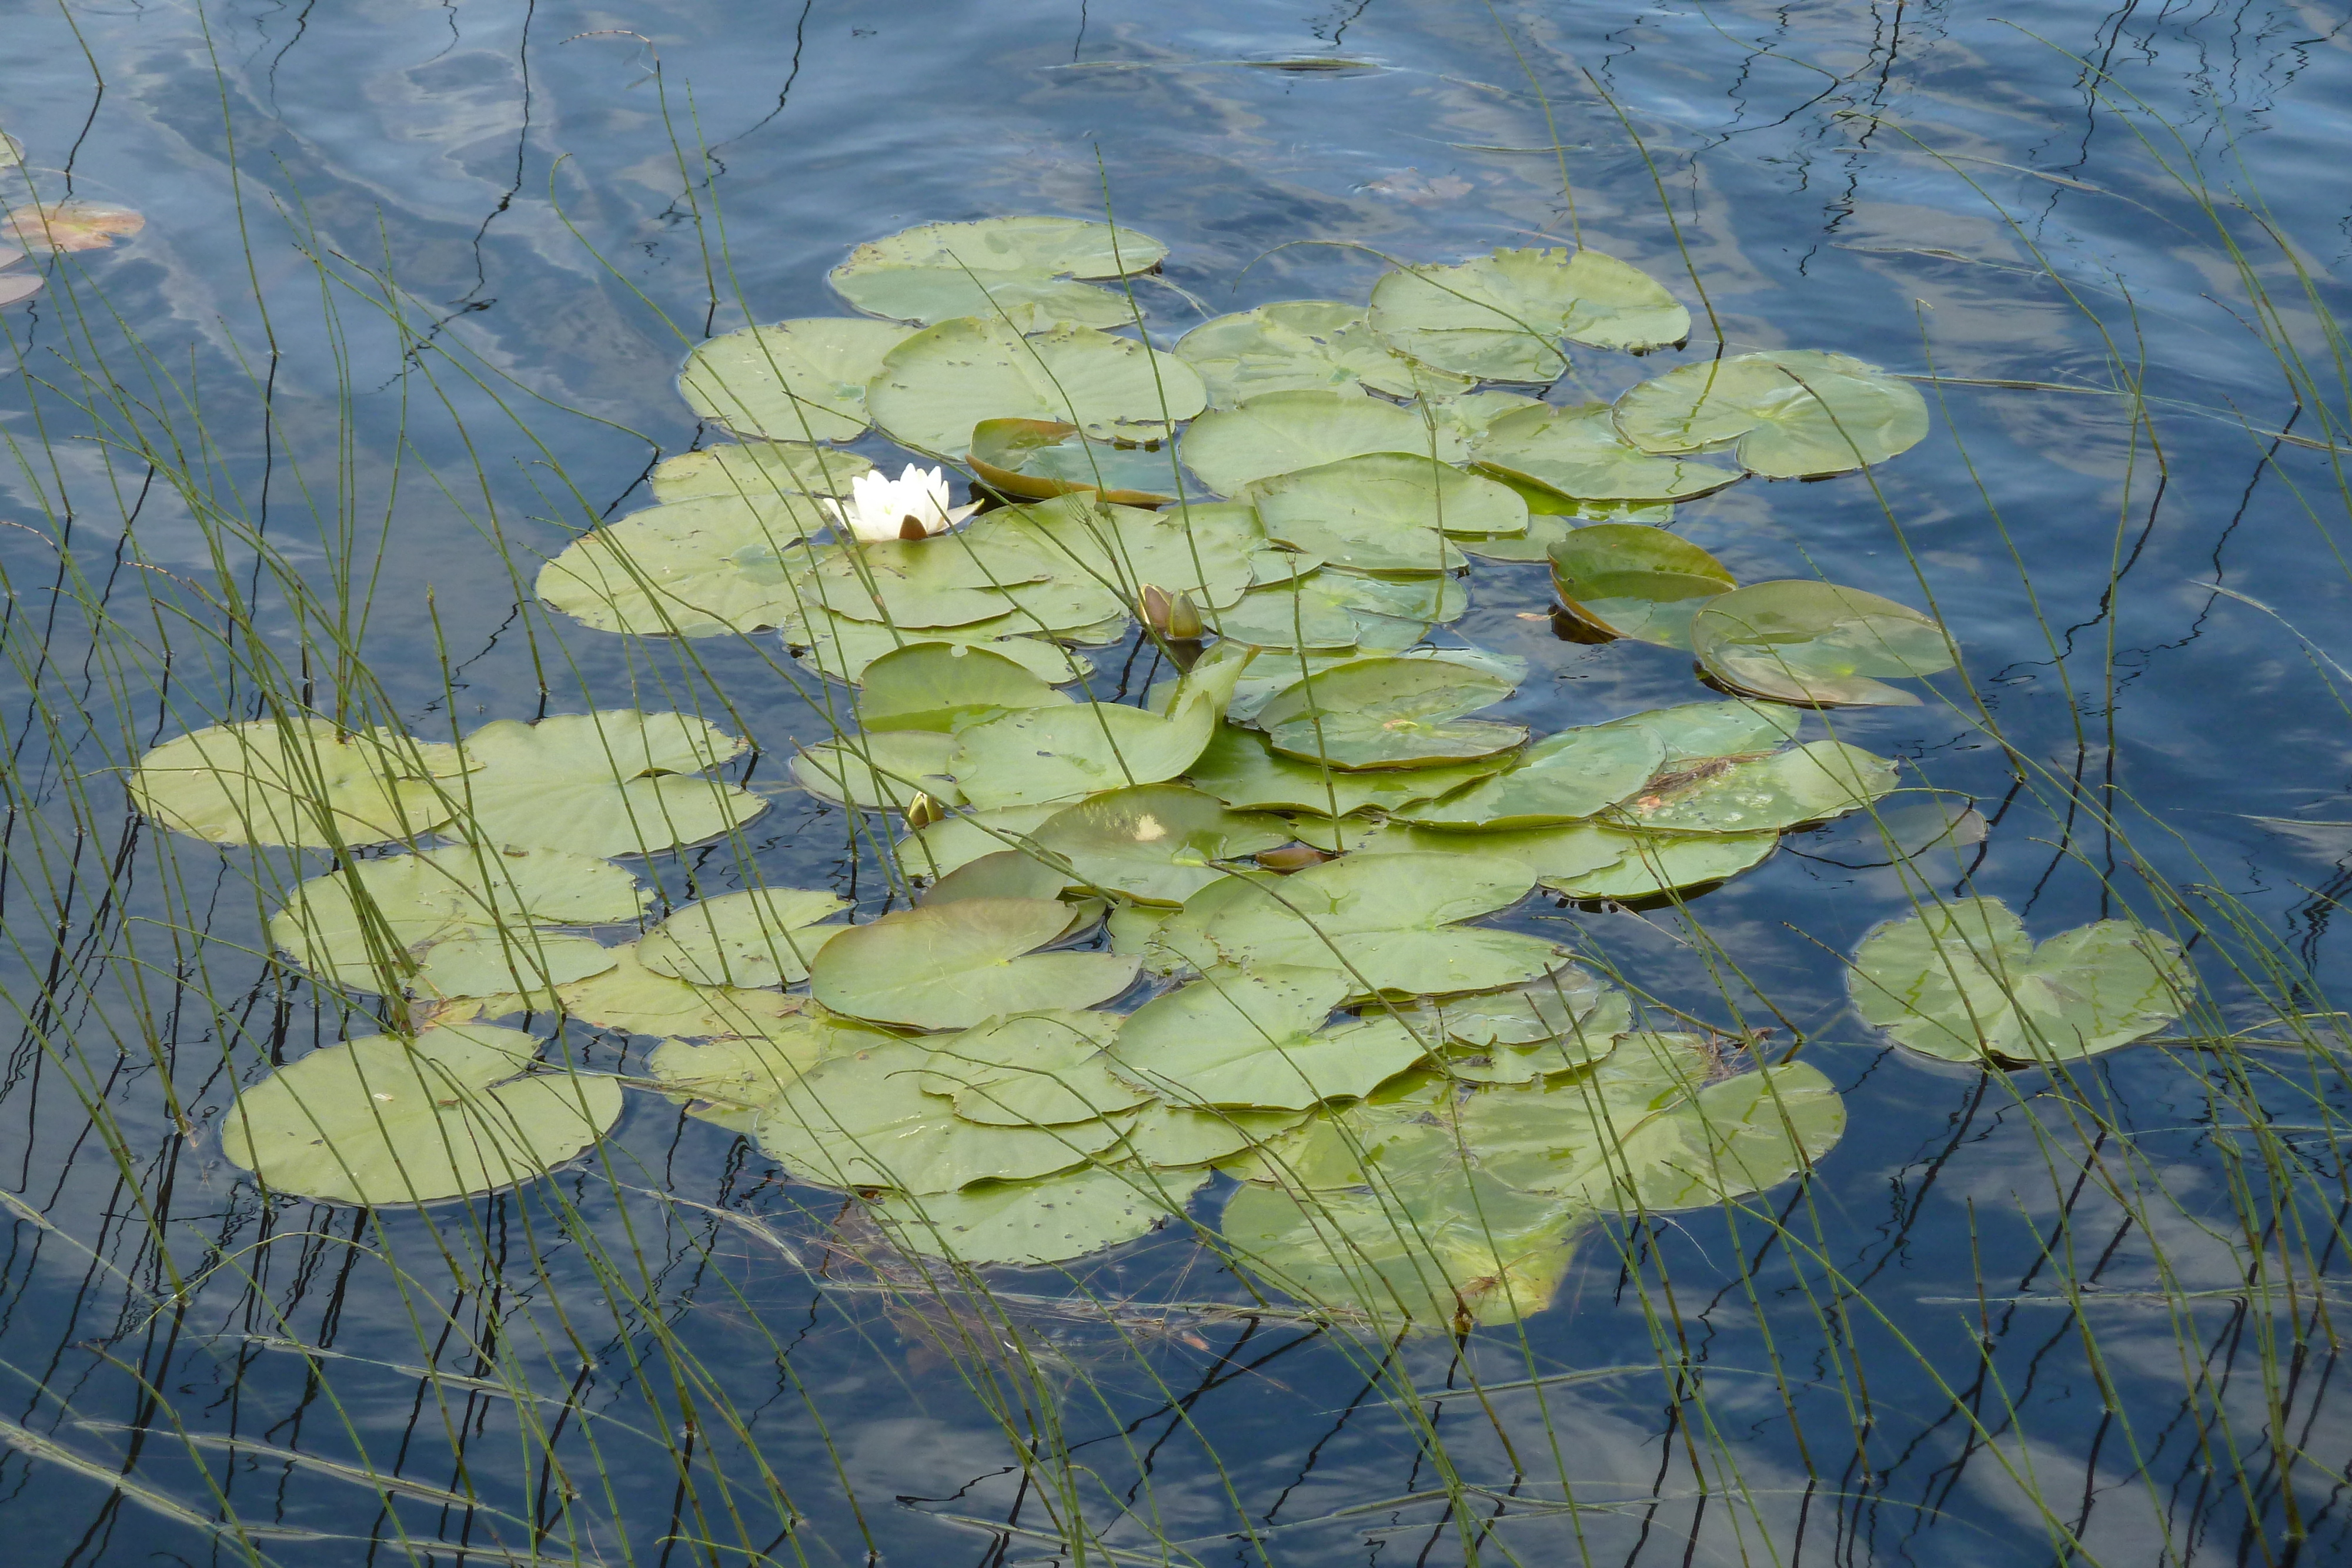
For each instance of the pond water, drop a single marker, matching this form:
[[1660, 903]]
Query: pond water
[[2007, 1319]]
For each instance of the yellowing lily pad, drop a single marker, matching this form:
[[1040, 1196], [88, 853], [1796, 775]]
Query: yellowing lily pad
[[935, 387], [1817, 644], [1792, 413], [299, 781], [70, 225], [949, 966], [1499, 318], [796, 381]]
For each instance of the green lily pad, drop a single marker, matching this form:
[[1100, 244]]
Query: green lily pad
[[635, 999], [1201, 552], [616, 782], [757, 472], [1634, 581], [954, 580], [1574, 456], [1341, 611], [710, 567], [1390, 712], [1274, 671], [1745, 1135], [1794, 413], [941, 847], [1963, 981], [1694, 732], [1175, 1137], [526, 964], [1058, 247], [1032, 1069], [300, 782], [863, 1120], [949, 966], [1239, 768], [1499, 317], [1042, 458], [735, 1077], [1589, 1023], [1570, 1138], [943, 686], [796, 381], [1469, 415], [1254, 1039], [1562, 777], [1047, 1221], [1817, 644], [1064, 753], [1384, 512], [937, 386], [388, 1120], [1157, 842], [1006, 873], [1570, 850], [1284, 431], [1401, 1132], [1649, 865], [1027, 301], [1302, 345], [1386, 921], [354, 925], [883, 771], [1821, 779], [844, 648], [761, 936]]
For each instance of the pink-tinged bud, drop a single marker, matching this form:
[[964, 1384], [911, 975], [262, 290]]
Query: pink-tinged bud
[[922, 811], [1172, 615]]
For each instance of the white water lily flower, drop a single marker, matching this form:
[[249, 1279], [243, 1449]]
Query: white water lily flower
[[914, 505]]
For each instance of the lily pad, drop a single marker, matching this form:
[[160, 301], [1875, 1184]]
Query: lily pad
[[1562, 777], [730, 1081], [1158, 842], [1253, 1039], [761, 936], [617, 782], [388, 1120], [1239, 768], [1276, 670], [1059, 247], [796, 381], [1046, 1221], [1651, 865], [1042, 458], [1175, 1137], [1499, 318], [1817, 644], [937, 386], [844, 648], [949, 966], [941, 847], [526, 965], [1006, 873], [758, 472], [1302, 345], [1339, 611], [1570, 850], [1793, 413], [1384, 512], [863, 1120], [1574, 456], [1572, 1138], [1820, 779], [1745, 1135], [1469, 415], [1065, 753], [882, 771], [1390, 712], [1629, 581], [360, 925], [1282, 432], [1386, 921], [1027, 301], [943, 686], [1200, 552], [1032, 1069], [70, 225], [633, 999], [1693, 732], [1963, 981], [955, 579], [299, 781], [710, 567]]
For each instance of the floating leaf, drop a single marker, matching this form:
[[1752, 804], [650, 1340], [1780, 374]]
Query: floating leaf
[[497, 965], [1704, 731], [635, 999], [612, 783], [1174, 1137], [1815, 643], [952, 581], [1574, 456], [1042, 458], [1200, 552], [1499, 317], [1963, 981], [943, 686], [1253, 1039], [1006, 873], [758, 472], [882, 771], [15, 287], [734, 1079], [353, 925], [1629, 581], [1282, 432], [1571, 1139], [1027, 301], [943, 846], [1060, 754], [949, 966], [1241, 769], [1386, 511], [1302, 345], [1574, 774], [1573, 850], [1821, 779], [70, 225], [865, 1121], [1059, 247], [1745, 1135], [761, 936], [298, 781], [1032, 1069], [1469, 415], [1651, 865], [1270, 676], [937, 386], [388, 1120], [1795, 413], [1566, 1020], [703, 567], [1338, 609], [844, 648], [1386, 922], [1044, 1222], [1158, 842], [796, 381], [1390, 712]]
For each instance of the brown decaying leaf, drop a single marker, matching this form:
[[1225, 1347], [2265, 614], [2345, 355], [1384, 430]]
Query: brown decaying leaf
[[70, 226]]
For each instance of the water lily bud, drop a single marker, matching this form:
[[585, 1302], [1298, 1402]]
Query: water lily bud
[[1292, 857], [1173, 615], [922, 811]]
